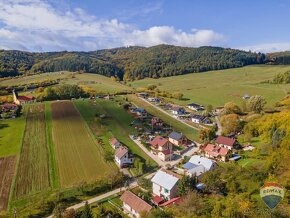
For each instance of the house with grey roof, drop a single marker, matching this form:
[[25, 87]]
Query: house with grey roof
[[164, 184], [177, 138], [197, 165]]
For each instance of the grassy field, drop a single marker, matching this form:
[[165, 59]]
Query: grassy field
[[116, 123], [7, 170], [219, 87], [11, 134], [33, 169], [77, 154], [178, 126], [97, 82]]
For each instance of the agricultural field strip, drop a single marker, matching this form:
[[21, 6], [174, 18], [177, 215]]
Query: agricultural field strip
[[33, 166], [7, 171], [78, 157]]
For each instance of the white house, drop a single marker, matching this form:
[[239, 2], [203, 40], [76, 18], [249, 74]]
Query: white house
[[123, 157], [164, 184], [195, 107], [134, 205], [197, 165], [177, 110]]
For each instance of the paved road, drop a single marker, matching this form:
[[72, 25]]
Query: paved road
[[100, 197]]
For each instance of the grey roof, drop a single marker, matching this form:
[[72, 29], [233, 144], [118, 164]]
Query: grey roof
[[175, 135], [199, 117], [198, 170], [199, 160], [195, 105], [164, 179], [189, 165]]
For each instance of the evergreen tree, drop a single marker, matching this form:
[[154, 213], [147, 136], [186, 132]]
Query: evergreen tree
[[87, 212]]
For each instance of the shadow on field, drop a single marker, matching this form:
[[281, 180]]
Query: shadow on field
[[2, 126]]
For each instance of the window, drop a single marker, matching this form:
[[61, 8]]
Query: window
[[166, 190]]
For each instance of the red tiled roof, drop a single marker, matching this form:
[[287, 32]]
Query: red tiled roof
[[159, 141], [25, 98], [166, 152], [223, 151], [135, 202], [121, 151], [214, 150], [176, 200], [225, 141], [113, 141], [9, 105], [157, 199], [209, 147]]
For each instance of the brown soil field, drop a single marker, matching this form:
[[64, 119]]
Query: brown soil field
[[33, 168], [7, 170]]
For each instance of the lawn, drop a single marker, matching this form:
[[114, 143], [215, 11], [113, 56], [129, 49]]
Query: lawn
[[177, 125], [33, 167], [78, 157], [11, 134], [116, 123], [218, 87]]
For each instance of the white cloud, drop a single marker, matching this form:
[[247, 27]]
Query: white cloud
[[38, 26], [268, 47]]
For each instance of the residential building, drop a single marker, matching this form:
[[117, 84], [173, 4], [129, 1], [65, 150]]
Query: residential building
[[217, 152], [140, 112], [197, 165], [143, 94], [165, 155], [195, 107], [134, 205], [177, 110], [20, 100], [156, 100], [196, 118], [123, 157], [177, 138], [226, 142], [164, 184], [161, 144], [115, 143]]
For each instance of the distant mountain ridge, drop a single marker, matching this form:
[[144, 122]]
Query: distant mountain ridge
[[129, 63]]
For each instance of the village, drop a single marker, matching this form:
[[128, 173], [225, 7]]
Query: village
[[177, 156]]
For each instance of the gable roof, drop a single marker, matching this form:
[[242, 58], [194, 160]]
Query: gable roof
[[189, 165], [176, 108], [114, 141], [215, 150], [199, 160], [135, 202], [175, 135], [225, 141], [25, 98], [165, 179], [159, 141], [199, 117], [121, 151]]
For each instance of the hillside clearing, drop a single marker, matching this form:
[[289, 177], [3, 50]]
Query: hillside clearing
[[33, 169], [78, 157], [218, 87]]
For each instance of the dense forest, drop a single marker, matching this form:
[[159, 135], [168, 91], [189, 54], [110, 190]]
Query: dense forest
[[129, 63], [279, 58]]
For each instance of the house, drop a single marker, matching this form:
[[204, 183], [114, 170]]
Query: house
[[140, 112], [156, 100], [177, 138], [197, 165], [160, 143], [115, 143], [246, 96], [216, 152], [165, 155], [226, 142], [156, 123], [177, 110], [196, 118], [164, 184], [195, 107], [8, 107], [123, 157], [134, 205], [20, 100]]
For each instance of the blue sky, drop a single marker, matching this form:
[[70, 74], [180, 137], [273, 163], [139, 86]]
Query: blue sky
[[83, 25]]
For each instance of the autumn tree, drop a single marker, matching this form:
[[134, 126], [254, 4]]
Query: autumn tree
[[231, 123], [232, 108], [257, 103]]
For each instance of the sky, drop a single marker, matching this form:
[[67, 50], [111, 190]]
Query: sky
[[86, 25]]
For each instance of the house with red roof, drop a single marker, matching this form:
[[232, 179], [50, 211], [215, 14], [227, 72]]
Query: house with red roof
[[162, 147], [20, 100], [134, 205], [115, 143], [226, 142], [123, 157], [217, 152]]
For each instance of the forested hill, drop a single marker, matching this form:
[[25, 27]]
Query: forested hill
[[279, 58], [129, 63]]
